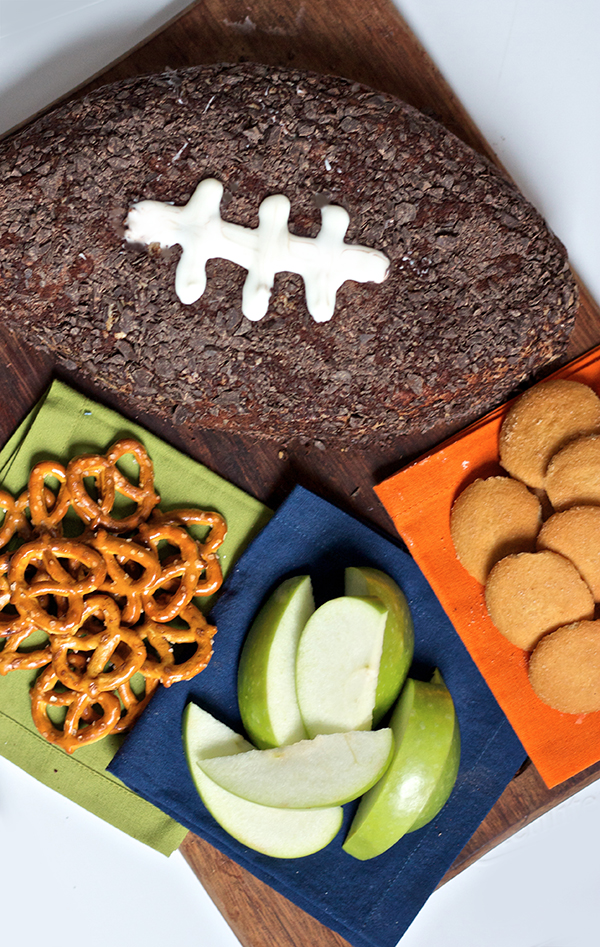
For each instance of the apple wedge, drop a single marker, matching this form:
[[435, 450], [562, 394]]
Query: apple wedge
[[337, 664], [447, 777], [398, 637], [420, 776], [327, 771], [267, 668], [280, 833]]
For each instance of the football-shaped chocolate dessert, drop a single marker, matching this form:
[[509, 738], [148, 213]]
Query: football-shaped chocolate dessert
[[411, 283]]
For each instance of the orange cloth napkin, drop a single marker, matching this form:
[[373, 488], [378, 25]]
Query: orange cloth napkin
[[419, 499]]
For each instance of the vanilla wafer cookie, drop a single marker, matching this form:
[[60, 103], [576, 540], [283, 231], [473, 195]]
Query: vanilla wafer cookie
[[530, 594], [541, 422], [564, 669], [575, 534], [573, 474], [493, 518]]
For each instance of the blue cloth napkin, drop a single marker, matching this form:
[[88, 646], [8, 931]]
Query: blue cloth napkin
[[370, 903]]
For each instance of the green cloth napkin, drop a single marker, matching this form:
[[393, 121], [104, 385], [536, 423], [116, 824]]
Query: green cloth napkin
[[62, 424]]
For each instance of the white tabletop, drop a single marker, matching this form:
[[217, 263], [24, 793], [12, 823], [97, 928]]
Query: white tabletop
[[528, 71]]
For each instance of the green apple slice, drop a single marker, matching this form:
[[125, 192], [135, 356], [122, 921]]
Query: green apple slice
[[337, 664], [421, 775], [447, 777], [328, 771], [398, 638], [280, 833], [267, 668]]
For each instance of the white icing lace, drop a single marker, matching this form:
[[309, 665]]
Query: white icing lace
[[324, 262]]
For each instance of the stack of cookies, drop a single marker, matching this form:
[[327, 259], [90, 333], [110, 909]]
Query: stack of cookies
[[532, 538]]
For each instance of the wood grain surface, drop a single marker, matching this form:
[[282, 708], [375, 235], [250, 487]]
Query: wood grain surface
[[368, 43]]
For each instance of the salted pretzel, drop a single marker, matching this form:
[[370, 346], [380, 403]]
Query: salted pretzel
[[166, 597], [94, 466], [207, 547], [47, 552], [101, 645], [165, 667], [110, 481], [52, 579], [82, 723], [132, 704], [190, 517], [143, 493], [128, 586], [211, 577]]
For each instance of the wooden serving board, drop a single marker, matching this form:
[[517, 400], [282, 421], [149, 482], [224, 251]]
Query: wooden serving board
[[371, 44]]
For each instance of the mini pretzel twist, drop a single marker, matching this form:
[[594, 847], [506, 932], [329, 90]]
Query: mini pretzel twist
[[94, 466], [82, 725], [52, 579], [110, 481], [46, 552], [192, 517], [165, 667], [119, 553], [102, 646], [166, 597], [212, 578], [144, 493]]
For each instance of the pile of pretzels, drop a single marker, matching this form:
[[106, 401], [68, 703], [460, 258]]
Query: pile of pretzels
[[113, 604]]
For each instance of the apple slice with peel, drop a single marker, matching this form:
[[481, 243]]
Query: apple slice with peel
[[421, 775], [329, 770], [447, 777], [398, 637], [337, 664], [267, 668], [280, 833]]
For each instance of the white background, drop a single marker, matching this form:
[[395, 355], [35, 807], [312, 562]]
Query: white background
[[528, 71]]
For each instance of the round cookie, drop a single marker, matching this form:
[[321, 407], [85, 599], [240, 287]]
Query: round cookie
[[564, 669], [493, 518], [541, 422], [575, 534], [530, 594], [573, 474]]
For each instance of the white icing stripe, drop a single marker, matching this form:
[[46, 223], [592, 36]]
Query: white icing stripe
[[324, 262]]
